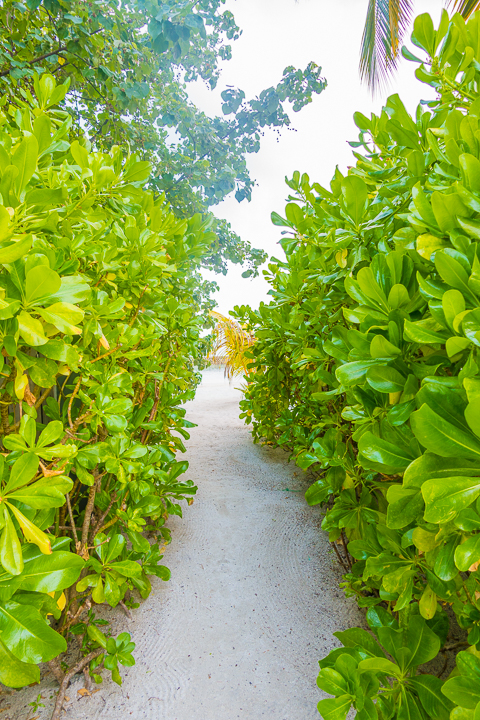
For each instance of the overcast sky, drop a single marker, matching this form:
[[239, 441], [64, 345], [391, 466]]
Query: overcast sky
[[278, 33]]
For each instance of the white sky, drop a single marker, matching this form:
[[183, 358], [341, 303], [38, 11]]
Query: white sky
[[278, 33]]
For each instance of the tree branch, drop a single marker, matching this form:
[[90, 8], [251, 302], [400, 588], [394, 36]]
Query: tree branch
[[68, 676], [61, 48]]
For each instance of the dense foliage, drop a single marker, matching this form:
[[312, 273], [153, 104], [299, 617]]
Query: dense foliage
[[129, 63], [101, 312], [366, 367]]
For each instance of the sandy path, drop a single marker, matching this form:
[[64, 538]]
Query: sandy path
[[253, 599]]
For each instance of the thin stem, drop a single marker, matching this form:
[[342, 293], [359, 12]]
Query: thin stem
[[70, 513]]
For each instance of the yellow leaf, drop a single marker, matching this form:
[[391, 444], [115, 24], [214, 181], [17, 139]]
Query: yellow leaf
[[61, 602], [428, 244], [21, 382], [341, 257], [32, 533], [61, 60], [104, 342]]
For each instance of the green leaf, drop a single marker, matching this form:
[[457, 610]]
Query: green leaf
[[468, 553], [444, 497], [385, 379], [64, 316], [23, 471], [40, 283], [453, 273], [429, 466], [441, 437], [429, 691], [128, 568], [10, 548], [31, 329], [13, 672], [416, 332], [15, 250], [26, 634], [24, 159], [428, 603], [335, 709], [50, 573], [445, 566], [380, 451], [355, 372], [405, 505], [330, 681], [137, 172], [44, 372], [380, 665], [97, 636], [45, 493], [355, 195], [461, 691], [468, 665]]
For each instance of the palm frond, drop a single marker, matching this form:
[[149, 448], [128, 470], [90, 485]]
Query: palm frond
[[231, 341], [385, 27], [465, 7]]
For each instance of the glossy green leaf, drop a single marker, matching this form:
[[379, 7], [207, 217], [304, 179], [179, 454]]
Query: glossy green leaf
[[444, 497], [26, 634], [441, 437]]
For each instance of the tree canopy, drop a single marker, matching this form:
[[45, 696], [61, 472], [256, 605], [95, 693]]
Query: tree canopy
[[129, 64]]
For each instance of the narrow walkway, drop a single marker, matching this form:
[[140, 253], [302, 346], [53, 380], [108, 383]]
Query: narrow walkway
[[253, 599]]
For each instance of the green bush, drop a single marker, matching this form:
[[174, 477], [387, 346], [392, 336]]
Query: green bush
[[101, 310], [367, 368]]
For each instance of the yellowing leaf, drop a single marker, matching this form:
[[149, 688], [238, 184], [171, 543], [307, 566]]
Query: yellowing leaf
[[341, 257], [61, 602], [428, 244], [32, 533]]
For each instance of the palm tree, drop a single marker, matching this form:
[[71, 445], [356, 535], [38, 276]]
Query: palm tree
[[385, 27], [230, 341]]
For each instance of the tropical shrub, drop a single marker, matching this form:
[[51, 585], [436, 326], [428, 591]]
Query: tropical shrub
[[366, 367], [101, 310]]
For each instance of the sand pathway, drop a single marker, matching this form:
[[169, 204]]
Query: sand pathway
[[253, 599]]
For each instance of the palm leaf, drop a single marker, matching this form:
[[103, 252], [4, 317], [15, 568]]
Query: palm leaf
[[385, 27], [465, 7], [231, 341]]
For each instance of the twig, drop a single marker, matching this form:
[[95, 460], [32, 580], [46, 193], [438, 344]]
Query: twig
[[153, 412], [88, 514], [86, 606], [439, 674], [56, 670], [88, 679], [100, 357], [70, 513], [68, 676], [347, 555], [61, 48], [126, 610], [340, 559], [72, 397], [102, 518]]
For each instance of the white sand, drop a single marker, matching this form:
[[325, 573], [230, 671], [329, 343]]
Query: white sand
[[253, 600]]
